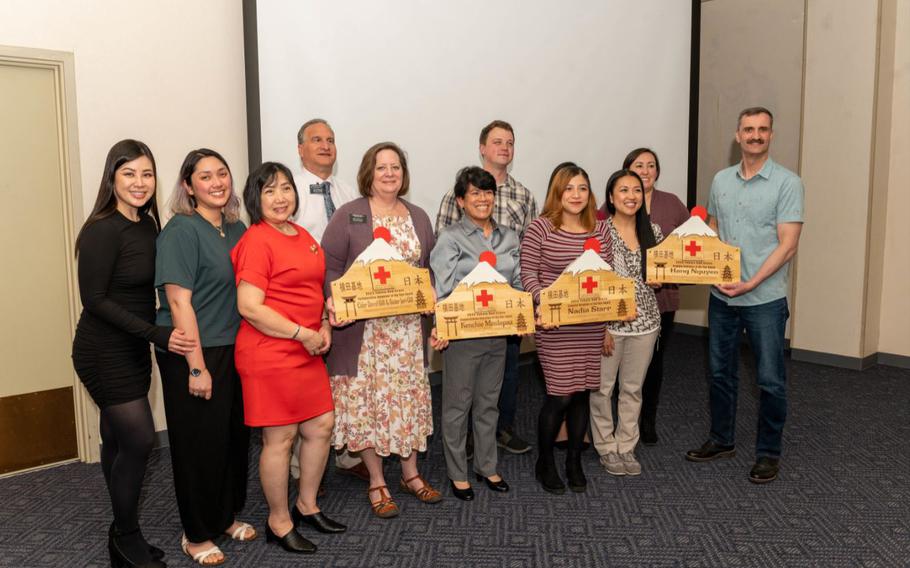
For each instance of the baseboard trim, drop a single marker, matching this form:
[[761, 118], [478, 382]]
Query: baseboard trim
[[892, 360], [690, 329], [833, 360], [161, 440]]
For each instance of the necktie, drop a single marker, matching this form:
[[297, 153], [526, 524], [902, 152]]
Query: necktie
[[325, 189]]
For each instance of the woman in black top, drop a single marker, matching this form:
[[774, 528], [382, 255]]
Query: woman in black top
[[116, 256]]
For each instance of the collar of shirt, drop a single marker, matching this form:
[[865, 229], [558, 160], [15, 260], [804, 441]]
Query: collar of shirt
[[764, 172], [310, 178], [469, 226]]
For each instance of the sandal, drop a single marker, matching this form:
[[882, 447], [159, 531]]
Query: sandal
[[385, 508], [242, 532], [202, 558], [426, 493]]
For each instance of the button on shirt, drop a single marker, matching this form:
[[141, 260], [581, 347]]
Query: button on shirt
[[458, 250], [311, 214], [513, 207], [748, 213]]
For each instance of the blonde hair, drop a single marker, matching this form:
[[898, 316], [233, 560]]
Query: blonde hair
[[552, 208]]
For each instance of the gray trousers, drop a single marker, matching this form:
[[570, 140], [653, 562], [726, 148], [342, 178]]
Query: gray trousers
[[471, 378]]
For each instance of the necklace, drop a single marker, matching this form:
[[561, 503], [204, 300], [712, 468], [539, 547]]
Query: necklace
[[220, 230], [219, 227], [388, 212]]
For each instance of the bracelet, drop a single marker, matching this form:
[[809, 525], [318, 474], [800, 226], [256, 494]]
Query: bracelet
[[296, 332]]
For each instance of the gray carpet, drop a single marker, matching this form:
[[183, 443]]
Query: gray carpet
[[842, 499]]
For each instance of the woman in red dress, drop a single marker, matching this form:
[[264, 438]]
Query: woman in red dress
[[280, 271]]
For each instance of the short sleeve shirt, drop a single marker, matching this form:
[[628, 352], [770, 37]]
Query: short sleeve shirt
[[193, 255], [748, 213]]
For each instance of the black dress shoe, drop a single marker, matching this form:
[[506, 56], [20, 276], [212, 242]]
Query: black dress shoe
[[765, 470], [463, 494], [317, 520], [710, 451], [291, 542], [500, 486], [155, 552]]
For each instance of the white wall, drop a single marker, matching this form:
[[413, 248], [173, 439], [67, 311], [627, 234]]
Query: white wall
[[586, 81], [168, 73]]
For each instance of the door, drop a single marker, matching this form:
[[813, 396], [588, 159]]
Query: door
[[38, 418]]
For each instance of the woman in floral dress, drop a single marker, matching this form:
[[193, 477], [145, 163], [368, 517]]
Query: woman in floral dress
[[376, 366]]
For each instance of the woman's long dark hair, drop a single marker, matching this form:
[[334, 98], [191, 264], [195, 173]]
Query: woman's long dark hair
[[106, 202], [643, 230]]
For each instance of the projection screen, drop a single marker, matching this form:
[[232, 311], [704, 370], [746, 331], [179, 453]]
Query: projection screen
[[586, 80]]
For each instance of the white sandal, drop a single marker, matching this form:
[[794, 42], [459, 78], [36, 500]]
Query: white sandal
[[240, 533], [201, 557]]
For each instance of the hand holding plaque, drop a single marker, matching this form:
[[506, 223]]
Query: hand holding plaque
[[381, 283], [693, 254], [587, 291], [484, 305]]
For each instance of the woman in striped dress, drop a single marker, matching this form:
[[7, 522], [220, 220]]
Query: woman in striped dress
[[570, 355]]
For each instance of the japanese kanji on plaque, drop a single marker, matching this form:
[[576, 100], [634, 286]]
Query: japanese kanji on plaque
[[588, 291], [693, 254], [381, 283], [483, 304]]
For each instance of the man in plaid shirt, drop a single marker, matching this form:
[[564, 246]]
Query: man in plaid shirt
[[515, 208]]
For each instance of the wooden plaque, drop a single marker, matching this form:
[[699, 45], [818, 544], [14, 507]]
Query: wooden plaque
[[693, 254], [586, 297], [484, 310], [380, 283]]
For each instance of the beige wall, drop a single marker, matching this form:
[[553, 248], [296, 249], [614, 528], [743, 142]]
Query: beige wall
[[844, 125], [740, 66], [894, 322], [169, 73]]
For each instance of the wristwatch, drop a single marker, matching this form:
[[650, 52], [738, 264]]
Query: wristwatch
[[195, 372]]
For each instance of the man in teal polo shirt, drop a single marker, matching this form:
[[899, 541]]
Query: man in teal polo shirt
[[756, 205]]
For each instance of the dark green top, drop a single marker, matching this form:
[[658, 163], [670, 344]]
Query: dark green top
[[193, 255]]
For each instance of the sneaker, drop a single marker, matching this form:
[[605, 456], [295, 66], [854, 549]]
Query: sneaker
[[613, 464], [507, 440], [630, 464]]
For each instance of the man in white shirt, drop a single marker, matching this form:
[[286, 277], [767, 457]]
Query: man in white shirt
[[321, 193]]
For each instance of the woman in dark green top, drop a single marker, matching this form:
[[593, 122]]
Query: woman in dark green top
[[203, 403]]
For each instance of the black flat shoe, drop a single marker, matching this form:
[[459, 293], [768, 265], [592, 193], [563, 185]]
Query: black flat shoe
[[129, 550], [463, 494], [500, 486], [710, 451], [155, 552], [546, 474], [291, 542], [317, 520]]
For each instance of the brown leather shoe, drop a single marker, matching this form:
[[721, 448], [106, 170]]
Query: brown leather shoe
[[385, 508], [426, 493], [359, 471]]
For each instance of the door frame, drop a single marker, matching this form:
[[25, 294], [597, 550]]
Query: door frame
[[62, 64]]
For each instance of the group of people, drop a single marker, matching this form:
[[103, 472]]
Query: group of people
[[246, 334]]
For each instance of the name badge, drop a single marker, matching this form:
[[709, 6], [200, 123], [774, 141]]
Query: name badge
[[356, 219], [317, 190]]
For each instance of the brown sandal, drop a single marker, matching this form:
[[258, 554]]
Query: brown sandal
[[426, 493], [385, 508]]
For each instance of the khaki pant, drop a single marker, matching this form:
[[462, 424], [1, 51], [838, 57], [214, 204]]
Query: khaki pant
[[629, 363]]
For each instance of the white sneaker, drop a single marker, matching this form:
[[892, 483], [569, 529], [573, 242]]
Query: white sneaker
[[613, 464], [630, 464]]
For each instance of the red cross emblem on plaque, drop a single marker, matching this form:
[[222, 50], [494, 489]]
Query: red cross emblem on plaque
[[589, 285], [382, 275], [692, 248], [484, 298]]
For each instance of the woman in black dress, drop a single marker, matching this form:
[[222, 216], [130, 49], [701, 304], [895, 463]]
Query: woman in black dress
[[116, 257]]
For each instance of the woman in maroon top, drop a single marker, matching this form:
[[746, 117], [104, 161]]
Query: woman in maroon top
[[667, 211], [570, 355]]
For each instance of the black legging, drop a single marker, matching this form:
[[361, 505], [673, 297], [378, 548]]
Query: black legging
[[574, 410], [650, 392], [128, 435]]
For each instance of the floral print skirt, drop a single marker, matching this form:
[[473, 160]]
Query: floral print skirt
[[387, 406]]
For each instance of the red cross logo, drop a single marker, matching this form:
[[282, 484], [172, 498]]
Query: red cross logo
[[382, 275], [589, 285], [692, 248], [484, 298]]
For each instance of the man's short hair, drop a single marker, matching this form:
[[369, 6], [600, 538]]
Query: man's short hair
[[495, 124], [752, 111], [310, 123]]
